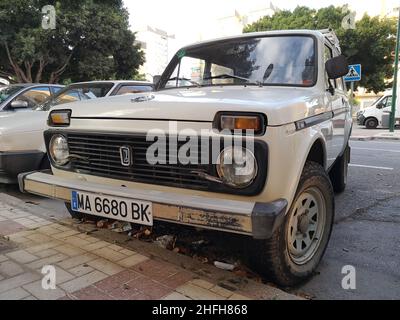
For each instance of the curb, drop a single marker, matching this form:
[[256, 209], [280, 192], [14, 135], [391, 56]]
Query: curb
[[371, 138]]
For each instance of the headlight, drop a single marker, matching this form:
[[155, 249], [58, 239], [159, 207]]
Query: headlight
[[58, 149], [237, 167]]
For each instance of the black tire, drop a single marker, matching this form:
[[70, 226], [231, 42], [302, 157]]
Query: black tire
[[371, 123], [339, 171], [272, 257]]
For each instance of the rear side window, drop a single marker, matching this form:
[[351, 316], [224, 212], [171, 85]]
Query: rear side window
[[68, 96], [95, 90], [127, 89]]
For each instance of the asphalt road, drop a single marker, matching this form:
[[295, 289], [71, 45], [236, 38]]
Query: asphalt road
[[366, 234]]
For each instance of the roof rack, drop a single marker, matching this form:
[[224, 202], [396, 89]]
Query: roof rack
[[331, 36]]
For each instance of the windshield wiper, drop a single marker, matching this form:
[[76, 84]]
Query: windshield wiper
[[185, 79], [232, 76]]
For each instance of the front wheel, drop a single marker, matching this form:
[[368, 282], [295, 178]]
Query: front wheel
[[371, 123], [294, 251]]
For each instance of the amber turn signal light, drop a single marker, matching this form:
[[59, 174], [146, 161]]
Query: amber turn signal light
[[60, 118], [242, 122]]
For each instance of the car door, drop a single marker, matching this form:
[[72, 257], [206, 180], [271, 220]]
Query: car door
[[387, 104], [33, 96], [328, 130], [340, 113]]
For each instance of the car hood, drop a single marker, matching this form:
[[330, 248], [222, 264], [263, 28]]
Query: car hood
[[282, 105]]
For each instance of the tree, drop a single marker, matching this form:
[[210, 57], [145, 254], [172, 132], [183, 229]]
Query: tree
[[91, 41], [371, 43]]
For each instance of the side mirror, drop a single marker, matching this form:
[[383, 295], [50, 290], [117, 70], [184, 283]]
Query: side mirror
[[156, 79], [337, 67], [380, 105], [19, 104]]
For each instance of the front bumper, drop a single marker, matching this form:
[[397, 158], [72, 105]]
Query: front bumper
[[360, 119], [259, 220], [13, 163]]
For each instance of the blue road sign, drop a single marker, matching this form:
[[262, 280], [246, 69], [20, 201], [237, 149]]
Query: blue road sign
[[354, 73]]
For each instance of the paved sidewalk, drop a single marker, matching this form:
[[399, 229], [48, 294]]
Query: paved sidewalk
[[362, 134], [90, 268]]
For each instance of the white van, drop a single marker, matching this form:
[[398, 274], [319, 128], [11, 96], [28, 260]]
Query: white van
[[371, 117]]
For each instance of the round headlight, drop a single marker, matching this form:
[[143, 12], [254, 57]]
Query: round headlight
[[237, 167], [58, 149]]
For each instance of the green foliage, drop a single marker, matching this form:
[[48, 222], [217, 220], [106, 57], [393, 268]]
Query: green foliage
[[139, 77], [370, 44], [91, 41], [354, 101]]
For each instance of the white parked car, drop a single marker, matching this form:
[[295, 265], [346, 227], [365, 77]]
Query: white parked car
[[23, 116], [371, 117], [246, 135]]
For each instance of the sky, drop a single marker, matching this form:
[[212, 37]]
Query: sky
[[187, 18]]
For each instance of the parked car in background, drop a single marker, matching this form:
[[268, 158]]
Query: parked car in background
[[371, 117], [20, 96], [95, 89], [21, 133]]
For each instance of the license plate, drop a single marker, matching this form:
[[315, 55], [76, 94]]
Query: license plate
[[129, 210]]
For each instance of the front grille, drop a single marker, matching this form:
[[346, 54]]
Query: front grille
[[104, 159]]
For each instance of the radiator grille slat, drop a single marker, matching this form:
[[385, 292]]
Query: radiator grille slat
[[103, 153]]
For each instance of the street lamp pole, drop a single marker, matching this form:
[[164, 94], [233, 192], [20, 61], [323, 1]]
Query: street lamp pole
[[396, 69]]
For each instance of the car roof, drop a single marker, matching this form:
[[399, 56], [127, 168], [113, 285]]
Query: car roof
[[115, 82], [26, 85], [315, 33]]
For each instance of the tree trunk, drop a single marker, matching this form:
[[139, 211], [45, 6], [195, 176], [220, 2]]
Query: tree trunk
[[28, 71], [39, 73], [55, 75], [19, 73]]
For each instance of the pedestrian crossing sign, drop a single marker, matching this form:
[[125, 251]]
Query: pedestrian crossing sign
[[354, 73]]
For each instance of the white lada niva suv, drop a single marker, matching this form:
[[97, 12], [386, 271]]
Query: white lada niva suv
[[247, 135]]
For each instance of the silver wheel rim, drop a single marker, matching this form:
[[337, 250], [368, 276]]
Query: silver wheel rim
[[306, 226]]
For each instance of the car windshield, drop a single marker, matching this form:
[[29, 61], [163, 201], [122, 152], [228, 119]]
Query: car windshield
[[376, 101], [7, 91], [272, 60], [76, 92]]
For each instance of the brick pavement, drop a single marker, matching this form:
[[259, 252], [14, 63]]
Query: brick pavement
[[88, 268]]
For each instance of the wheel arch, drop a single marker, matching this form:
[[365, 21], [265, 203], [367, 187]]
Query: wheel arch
[[370, 117], [317, 152]]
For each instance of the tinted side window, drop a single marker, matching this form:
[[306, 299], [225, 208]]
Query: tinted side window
[[132, 89], [68, 96], [56, 89], [35, 96]]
